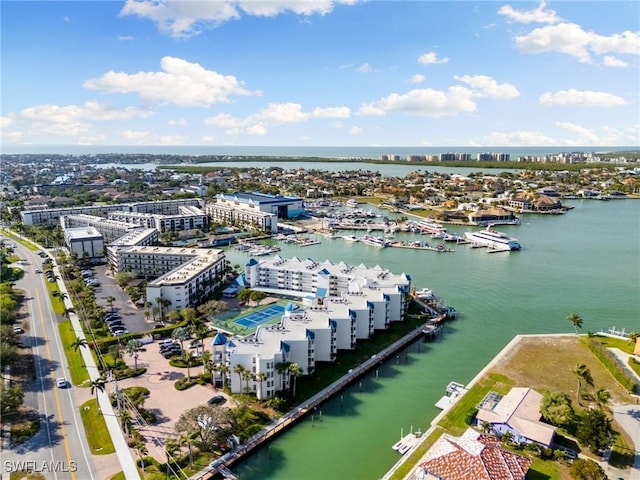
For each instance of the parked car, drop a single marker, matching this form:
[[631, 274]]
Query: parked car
[[38, 270], [61, 382], [217, 400], [119, 332], [17, 329], [110, 316], [172, 352]]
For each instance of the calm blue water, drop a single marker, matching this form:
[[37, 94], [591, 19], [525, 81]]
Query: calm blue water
[[586, 261]]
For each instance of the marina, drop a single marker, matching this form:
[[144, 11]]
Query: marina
[[491, 291]]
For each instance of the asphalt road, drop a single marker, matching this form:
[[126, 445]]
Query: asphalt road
[[59, 450]]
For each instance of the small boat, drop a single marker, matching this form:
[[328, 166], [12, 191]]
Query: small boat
[[350, 238], [351, 203]]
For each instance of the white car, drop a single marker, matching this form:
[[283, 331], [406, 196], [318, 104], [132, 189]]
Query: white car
[[61, 382]]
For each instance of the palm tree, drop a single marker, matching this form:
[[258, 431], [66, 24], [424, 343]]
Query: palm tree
[[141, 448], [189, 441], [281, 368], [209, 366], [110, 299], [125, 420], [602, 397], [507, 437], [97, 385], [79, 342], [246, 376], [260, 377], [296, 371], [189, 360], [584, 375], [223, 368], [133, 347], [576, 320], [181, 334], [486, 427], [239, 369]]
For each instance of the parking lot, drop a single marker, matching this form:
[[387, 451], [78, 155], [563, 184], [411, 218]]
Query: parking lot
[[132, 317]]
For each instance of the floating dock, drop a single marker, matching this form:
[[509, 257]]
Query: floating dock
[[455, 391], [407, 442]]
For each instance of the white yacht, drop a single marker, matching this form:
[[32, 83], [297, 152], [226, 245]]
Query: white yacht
[[374, 241], [494, 240], [352, 203], [429, 226]]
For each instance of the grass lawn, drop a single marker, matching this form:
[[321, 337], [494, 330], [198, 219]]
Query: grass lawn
[[56, 303], [454, 421], [406, 467], [23, 475], [77, 368], [98, 436], [619, 343]]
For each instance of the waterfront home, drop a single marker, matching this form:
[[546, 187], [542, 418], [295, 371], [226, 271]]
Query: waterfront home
[[473, 455], [517, 412]]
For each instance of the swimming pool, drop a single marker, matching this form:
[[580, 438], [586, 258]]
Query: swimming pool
[[256, 318]]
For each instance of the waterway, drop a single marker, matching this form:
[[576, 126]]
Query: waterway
[[586, 262]]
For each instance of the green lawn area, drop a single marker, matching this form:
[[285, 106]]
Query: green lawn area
[[406, 467], [77, 368], [622, 344], [95, 428], [454, 421]]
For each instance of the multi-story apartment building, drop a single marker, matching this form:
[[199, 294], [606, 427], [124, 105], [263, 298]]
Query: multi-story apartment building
[[187, 218], [52, 215], [110, 229], [342, 304], [85, 242]]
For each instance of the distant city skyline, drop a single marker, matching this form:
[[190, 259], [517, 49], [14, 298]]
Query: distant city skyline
[[329, 73]]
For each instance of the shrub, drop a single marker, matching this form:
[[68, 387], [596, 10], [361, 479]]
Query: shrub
[[611, 364], [470, 416]]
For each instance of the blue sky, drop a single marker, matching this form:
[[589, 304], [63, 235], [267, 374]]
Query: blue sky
[[320, 73]]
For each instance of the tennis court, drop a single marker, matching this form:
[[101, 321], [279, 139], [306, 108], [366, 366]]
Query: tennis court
[[256, 318]]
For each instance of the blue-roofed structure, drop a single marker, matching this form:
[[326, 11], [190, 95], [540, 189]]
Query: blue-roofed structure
[[282, 206], [219, 339]]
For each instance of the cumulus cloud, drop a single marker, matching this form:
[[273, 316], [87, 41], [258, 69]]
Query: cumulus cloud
[[5, 122], [365, 68], [484, 86], [424, 102], [431, 58], [417, 78], [609, 61], [124, 38], [518, 138], [585, 98], [572, 39], [585, 134], [145, 137], [180, 82], [538, 15], [275, 114], [177, 121], [184, 19]]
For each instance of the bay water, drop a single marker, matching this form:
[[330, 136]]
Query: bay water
[[586, 261]]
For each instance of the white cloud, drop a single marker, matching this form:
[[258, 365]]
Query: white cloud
[[5, 122], [146, 137], [275, 114], [484, 86], [332, 112], [184, 19], [539, 15], [583, 98], [181, 82], [431, 58], [124, 38], [609, 61], [355, 130], [135, 134], [424, 102], [91, 140], [584, 134], [518, 138], [177, 121], [417, 78], [365, 68], [573, 40]]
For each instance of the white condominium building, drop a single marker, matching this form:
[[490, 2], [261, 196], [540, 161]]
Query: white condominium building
[[242, 215], [341, 305], [185, 276], [187, 218]]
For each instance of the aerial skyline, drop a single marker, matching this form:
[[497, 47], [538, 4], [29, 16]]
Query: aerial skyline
[[325, 73]]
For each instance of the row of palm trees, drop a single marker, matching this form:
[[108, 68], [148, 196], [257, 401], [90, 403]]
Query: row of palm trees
[[244, 374]]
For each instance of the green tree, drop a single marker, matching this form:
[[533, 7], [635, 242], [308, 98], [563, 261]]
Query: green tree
[[582, 469], [133, 348], [594, 430], [260, 377], [602, 398], [79, 343], [576, 320], [239, 369], [556, 408], [10, 399], [97, 385], [181, 334], [110, 299], [584, 376], [296, 371], [209, 425]]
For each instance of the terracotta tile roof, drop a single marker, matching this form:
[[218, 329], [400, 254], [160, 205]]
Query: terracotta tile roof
[[473, 456]]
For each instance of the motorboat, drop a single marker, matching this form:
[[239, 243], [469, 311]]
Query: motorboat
[[428, 226], [494, 240], [350, 238], [374, 241]]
